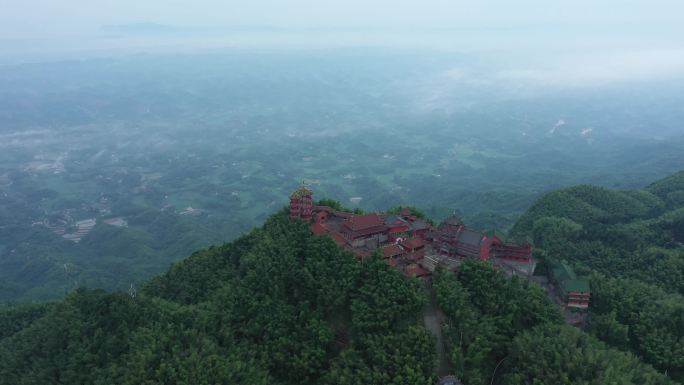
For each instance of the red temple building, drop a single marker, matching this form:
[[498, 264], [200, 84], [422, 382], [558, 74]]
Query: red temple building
[[365, 230], [518, 252], [414, 248], [392, 251], [454, 239], [397, 228], [407, 242]]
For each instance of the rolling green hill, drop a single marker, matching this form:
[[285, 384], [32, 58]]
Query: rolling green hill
[[629, 244]]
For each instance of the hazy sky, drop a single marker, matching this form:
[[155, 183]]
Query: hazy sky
[[549, 42], [49, 18]]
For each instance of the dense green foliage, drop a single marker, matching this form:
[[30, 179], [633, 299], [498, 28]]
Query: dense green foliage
[[13, 319], [633, 315], [280, 306], [337, 205], [277, 306], [561, 355], [485, 310], [629, 243], [590, 206], [506, 330]]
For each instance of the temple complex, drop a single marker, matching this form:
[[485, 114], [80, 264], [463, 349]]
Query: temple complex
[[409, 243]]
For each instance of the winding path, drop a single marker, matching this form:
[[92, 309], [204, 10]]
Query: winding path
[[433, 318]]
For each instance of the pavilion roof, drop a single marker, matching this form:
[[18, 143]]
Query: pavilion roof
[[319, 229], [394, 220], [302, 191], [453, 220], [361, 222], [470, 237], [564, 274], [576, 285], [419, 224], [496, 233], [391, 251], [413, 243]]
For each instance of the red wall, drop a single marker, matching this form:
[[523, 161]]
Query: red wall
[[486, 248]]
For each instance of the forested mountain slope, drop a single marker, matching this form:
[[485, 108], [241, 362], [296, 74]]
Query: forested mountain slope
[[280, 306], [505, 331], [629, 243], [276, 306]]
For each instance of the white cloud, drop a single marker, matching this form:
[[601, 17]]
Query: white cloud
[[556, 126], [603, 69]]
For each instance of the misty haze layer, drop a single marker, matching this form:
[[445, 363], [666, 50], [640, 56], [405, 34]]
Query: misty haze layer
[[164, 154]]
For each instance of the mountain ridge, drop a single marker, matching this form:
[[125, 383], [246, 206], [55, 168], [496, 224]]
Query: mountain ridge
[[279, 305]]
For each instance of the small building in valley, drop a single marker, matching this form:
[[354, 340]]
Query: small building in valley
[[575, 292]]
